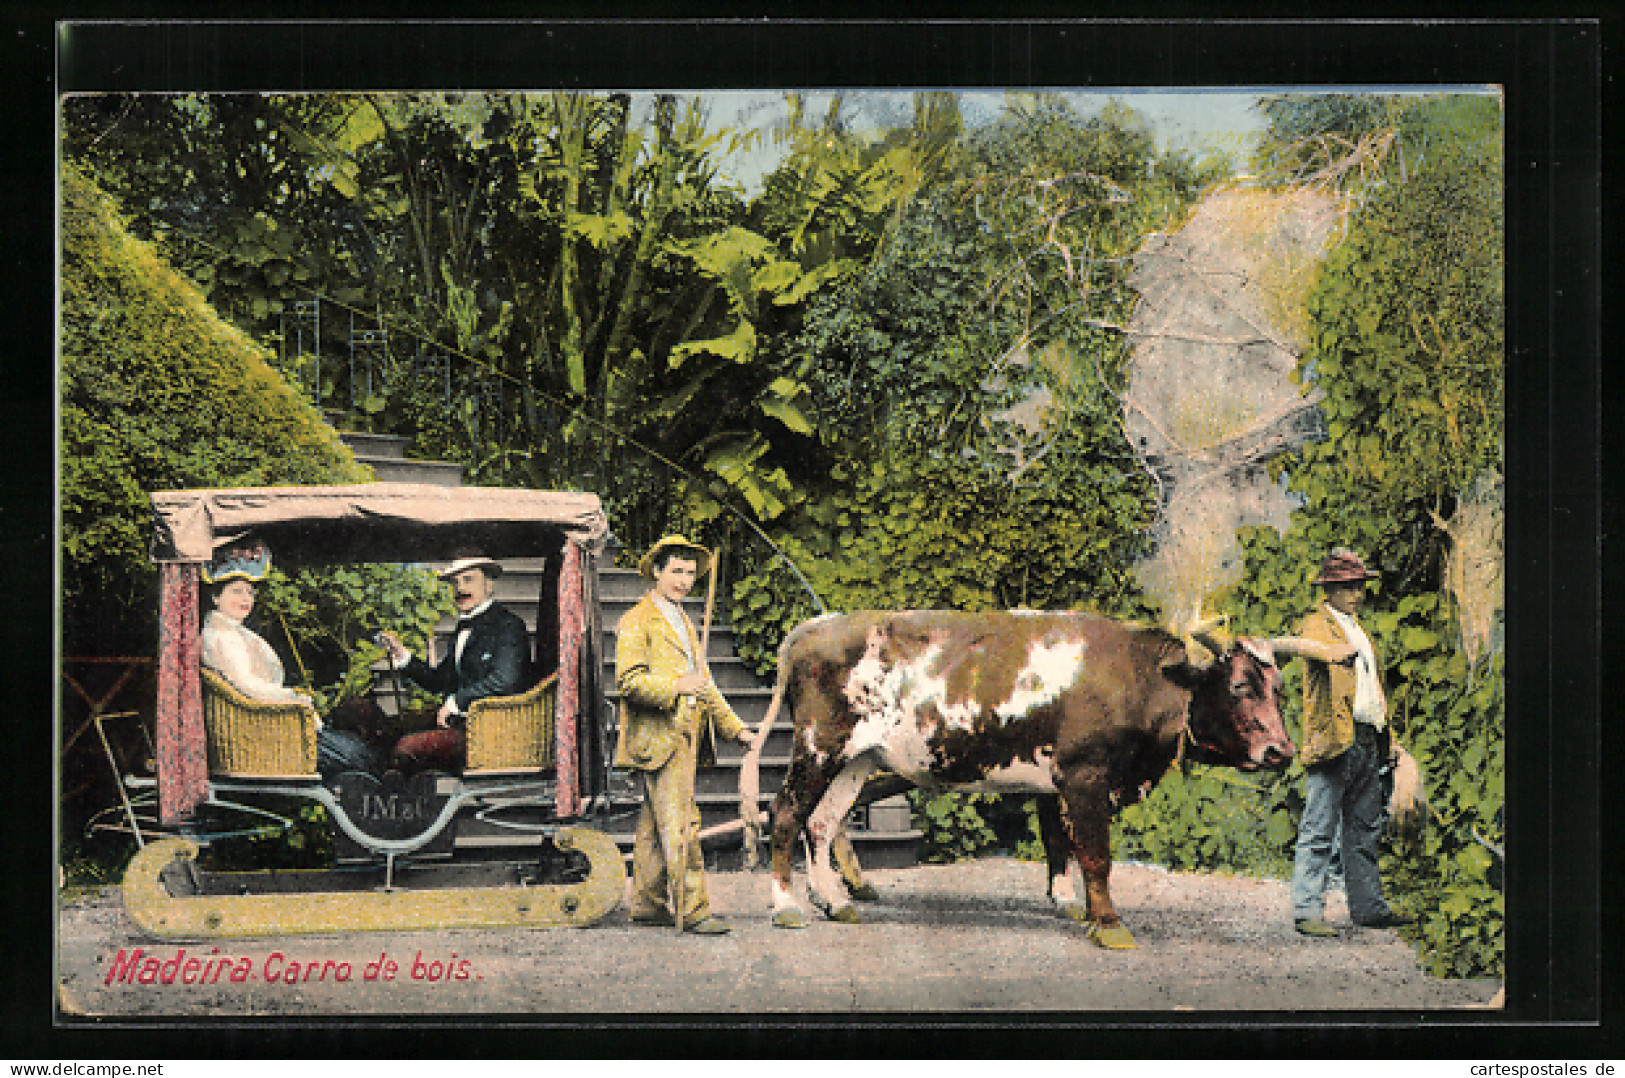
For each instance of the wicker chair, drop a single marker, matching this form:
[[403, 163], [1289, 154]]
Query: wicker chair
[[512, 733], [251, 739]]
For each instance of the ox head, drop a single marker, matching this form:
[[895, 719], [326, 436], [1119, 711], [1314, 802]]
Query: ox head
[[1234, 717]]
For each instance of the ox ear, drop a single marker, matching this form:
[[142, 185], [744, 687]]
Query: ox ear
[[1184, 673]]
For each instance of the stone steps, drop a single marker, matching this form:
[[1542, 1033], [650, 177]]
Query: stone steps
[[386, 455]]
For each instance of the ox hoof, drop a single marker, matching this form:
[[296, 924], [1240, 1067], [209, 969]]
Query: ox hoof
[[1113, 937], [864, 892], [846, 915], [1078, 911], [789, 918]]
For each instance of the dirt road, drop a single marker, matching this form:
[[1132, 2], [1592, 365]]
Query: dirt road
[[973, 937]]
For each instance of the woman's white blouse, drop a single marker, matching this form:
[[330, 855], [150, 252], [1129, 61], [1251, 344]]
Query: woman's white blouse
[[242, 657]]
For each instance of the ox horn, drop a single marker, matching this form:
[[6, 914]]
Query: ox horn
[[1288, 647], [1206, 631]]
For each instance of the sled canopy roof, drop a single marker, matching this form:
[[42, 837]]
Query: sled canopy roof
[[374, 522]]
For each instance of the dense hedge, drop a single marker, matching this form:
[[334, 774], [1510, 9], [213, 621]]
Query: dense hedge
[[157, 393]]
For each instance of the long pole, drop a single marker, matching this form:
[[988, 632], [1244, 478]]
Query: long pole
[[710, 605], [691, 703]]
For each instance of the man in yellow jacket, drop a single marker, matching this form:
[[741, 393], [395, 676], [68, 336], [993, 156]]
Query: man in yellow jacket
[[670, 712], [1346, 747]]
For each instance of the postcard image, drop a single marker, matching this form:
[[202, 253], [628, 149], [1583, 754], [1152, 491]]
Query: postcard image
[[781, 552]]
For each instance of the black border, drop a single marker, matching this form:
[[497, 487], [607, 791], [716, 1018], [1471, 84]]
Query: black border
[[1554, 75]]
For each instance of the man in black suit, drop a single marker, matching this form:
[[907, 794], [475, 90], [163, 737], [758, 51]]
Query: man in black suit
[[489, 656]]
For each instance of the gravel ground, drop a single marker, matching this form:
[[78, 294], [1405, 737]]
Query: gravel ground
[[972, 937]]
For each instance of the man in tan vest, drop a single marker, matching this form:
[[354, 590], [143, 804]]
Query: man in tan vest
[[1346, 747], [670, 712]]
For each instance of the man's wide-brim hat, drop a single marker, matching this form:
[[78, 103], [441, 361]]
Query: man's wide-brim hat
[[464, 562], [249, 561], [1343, 566], [683, 548]]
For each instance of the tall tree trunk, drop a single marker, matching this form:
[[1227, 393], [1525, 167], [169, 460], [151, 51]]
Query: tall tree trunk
[[572, 116]]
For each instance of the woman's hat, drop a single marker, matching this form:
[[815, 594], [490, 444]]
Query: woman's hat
[[241, 561], [464, 562], [1343, 566], [646, 565]]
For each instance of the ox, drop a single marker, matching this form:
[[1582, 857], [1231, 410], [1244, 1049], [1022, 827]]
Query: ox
[[1087, 711]]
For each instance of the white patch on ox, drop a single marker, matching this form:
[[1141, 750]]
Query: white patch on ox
[[887, 702], [810, 743], [1051, 669], [865, 681], [1062, 890]]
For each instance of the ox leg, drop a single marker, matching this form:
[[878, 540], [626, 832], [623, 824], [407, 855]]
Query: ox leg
[[1058, 858], [1089, 821], [846, 863], [803, 788], [824, 828]]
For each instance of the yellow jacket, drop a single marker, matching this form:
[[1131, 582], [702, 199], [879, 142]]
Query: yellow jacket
[[1328, 694], [649, 659]]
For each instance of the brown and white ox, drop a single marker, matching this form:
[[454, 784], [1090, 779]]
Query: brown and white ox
[[1087, 711]]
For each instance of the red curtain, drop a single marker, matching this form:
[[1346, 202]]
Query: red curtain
[[183, 765], [572, 652]]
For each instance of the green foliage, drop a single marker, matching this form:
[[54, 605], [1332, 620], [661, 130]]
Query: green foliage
[[588, 278], [232, 190], [89, 864], [1454, 724], [257, 843], [952, 825], [325, 618], [1210, 820], [958, 826], [922, 491]]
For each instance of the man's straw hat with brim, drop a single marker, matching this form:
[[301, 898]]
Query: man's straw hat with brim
[[464, 562], [676, 543]]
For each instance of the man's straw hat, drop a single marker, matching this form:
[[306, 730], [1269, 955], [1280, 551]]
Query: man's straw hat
[[646, 564], [464, 562]]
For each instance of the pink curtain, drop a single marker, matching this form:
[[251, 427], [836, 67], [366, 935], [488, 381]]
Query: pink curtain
[[183, 765], [572, 637]]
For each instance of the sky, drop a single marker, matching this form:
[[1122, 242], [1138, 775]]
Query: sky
[[1201, 121]]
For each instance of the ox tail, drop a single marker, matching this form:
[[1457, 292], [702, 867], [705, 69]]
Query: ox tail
[[1409, 799], [750, 770]]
